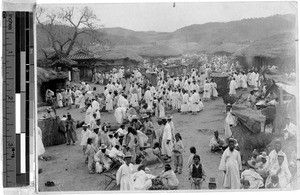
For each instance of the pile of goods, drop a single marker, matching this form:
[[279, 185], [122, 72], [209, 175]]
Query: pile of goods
[[157, 184]]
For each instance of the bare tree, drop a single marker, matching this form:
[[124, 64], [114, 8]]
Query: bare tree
[[80, 23]]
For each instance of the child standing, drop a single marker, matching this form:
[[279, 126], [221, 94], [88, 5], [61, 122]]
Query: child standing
[[85, 134], [197, 174], [178, 150], [90, 152], [190, 159]]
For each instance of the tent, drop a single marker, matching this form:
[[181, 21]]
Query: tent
[[221, 81], [248, 132], [50, 131]]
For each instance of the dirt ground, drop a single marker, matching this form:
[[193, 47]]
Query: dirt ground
[[69, 172]]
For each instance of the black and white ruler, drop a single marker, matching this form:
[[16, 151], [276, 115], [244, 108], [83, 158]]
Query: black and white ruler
[[18, 96]]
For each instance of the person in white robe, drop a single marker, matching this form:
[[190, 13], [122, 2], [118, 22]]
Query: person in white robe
[[124, 174], [195, 86], [184, 106], [252, 79], [77, 95], [96, 108], [216, 143], [175, 100], [213, 86], [87, 87], [231, 165], [273, 155], [148, 97], [59, 99], [152, 90], [263, 165], [39, 143], [195, 99], [134, 101], [142, 180], [167, 140], [229, 121], [207, 91], [139, 90], [93, 120], [255, 180], [102, 159], [95, 105], [123, 102], [280, 169], [244, 81], [161, 108], [232, 87], [237, 80], [249, 78], [256, 80], [88, 114], [85, 134], [106, 91], [120, 114], [81, 100], [109, 102]]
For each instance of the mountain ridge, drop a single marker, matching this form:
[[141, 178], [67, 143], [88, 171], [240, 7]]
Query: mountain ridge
[[195, 36]]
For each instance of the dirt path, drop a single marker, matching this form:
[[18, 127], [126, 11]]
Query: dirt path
[[69, 172]]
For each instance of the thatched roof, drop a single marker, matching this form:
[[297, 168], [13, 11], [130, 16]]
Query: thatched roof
[[64, 61], [159, 51], [82, 55], [46, 75], [117, 54], [277, 46]]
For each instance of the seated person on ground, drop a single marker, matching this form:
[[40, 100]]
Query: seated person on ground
[[251, 100], [250, 174], [169, 178], [102, 159], [216, 143], [142, 180], [148, 157], [116, 153], [263, 165]]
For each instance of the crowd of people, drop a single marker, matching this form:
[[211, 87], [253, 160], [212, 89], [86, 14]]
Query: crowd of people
[[136, 144]]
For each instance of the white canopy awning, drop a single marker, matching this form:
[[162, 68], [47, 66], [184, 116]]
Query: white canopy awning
[[291, 89]]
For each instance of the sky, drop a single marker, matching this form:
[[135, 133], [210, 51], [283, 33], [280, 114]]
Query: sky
[[164, 17]]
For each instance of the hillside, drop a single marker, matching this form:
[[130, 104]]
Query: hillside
[[210, 37]]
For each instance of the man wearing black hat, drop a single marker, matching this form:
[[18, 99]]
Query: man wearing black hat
[[231, 165], [124, 174]]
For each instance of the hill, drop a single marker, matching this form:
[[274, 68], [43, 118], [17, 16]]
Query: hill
[[209, 37]]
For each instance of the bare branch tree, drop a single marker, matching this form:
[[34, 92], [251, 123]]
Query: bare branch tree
[[81, 22]]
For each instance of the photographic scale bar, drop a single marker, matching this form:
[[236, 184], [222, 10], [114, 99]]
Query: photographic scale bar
[[18, 97]]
